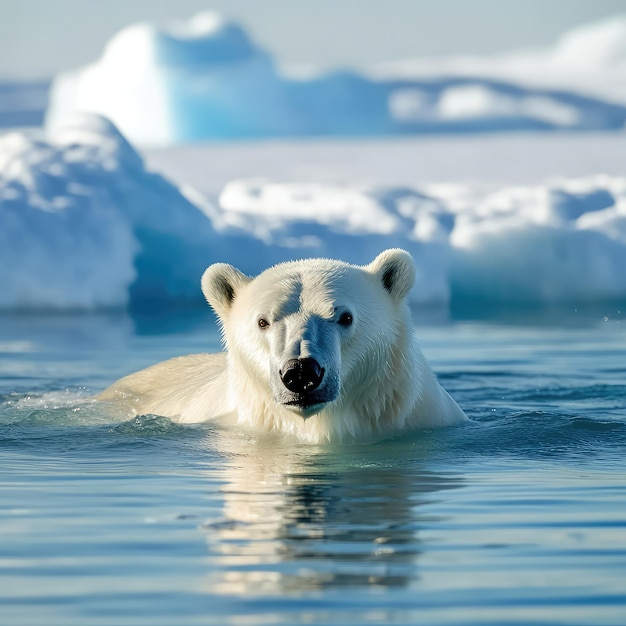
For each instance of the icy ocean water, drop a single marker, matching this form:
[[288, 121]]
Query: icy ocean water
[[517, 518]]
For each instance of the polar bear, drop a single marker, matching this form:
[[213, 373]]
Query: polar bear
[[317, 348]]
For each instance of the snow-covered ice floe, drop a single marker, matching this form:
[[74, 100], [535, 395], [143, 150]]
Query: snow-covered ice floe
[[83, 225], [207, 79]]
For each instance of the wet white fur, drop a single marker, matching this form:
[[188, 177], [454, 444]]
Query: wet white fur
[[385, 385]]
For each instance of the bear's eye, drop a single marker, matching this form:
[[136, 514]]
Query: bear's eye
[[263, 323], [345, 319]]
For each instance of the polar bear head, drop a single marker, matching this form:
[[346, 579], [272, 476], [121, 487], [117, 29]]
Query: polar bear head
[[314, 336]]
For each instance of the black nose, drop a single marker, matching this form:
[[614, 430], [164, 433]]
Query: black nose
[[302, 375]]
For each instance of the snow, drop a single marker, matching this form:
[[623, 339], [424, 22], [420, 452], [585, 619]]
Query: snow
[[84, 224], [546, 244], [480, 101], [501, 159], [594, 46], [587, 60], [560, 242], [208, 79]]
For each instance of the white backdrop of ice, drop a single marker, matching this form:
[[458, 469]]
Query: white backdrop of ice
[[62, 241], [207, 79], [83, 224], [563, 241]]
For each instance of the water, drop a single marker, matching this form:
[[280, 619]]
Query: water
[[517, 518]]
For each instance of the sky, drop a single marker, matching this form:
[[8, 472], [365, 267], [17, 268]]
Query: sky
[[41, 37]]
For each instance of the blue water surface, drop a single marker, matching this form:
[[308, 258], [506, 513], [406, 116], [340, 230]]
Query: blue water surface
[[517, 518]]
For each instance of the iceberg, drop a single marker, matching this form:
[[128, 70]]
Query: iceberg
[[206, 79], [84, 225]]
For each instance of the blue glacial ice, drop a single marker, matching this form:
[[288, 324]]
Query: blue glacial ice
[[84, 225], [207, 79]]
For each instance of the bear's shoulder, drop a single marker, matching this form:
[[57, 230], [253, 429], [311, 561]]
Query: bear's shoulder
[[168, 387]]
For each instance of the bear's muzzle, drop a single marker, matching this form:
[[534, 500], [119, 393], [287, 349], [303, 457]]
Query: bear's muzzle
[[304, 387], [302, 376]]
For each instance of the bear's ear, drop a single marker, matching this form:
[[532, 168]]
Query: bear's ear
[[395, 269], [220, 283]]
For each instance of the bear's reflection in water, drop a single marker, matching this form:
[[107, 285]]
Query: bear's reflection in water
[[305, 518]]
